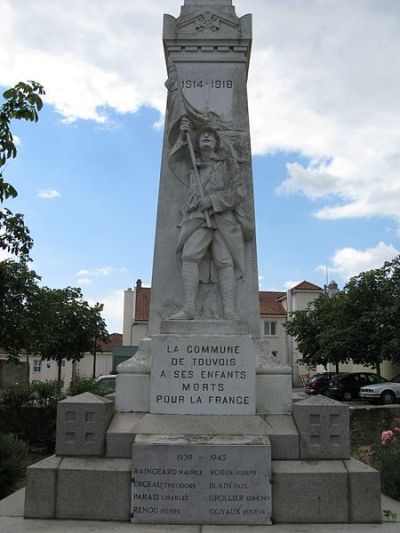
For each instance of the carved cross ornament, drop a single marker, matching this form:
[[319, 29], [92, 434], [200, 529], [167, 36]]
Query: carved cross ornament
[[207, 22]]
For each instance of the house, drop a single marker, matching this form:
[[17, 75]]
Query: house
[[275, 308], [42, 370]]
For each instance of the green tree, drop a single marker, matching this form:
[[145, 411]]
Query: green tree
[[22, 102], [66, 328], [18, 291], [319, 331], [361, 324]]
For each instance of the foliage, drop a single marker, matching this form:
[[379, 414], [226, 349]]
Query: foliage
[[387, 459], [51, 323], [17, 396], [46, 393], [83, 384], [30, 412], [18, 290], [359, 324], [67, 326], [319, 331], [22, 102], [13, 457]]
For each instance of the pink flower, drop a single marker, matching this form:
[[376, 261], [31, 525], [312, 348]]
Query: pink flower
[[397, 430], [387, 435]]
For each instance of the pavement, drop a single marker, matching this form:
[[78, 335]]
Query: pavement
[[12, 521]]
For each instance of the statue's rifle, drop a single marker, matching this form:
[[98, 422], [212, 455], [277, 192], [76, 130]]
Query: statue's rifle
[[193, 157]]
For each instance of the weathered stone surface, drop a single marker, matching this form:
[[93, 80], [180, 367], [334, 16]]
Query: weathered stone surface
[[323, 425], [310, 492], [121, 433], [203, 374], [40, 494], [204, 327], [365, 493], [133, 393], [201, 425], [284, 437], [81, 424], [207, 51], [93, 489], [273, 394], [196, 481]]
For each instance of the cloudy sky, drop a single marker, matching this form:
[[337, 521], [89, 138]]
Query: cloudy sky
[[324, 90]]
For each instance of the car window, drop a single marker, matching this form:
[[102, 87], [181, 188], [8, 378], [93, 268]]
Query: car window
[[108, 383]]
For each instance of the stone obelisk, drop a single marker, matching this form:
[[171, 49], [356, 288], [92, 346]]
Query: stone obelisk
[[207, 51]]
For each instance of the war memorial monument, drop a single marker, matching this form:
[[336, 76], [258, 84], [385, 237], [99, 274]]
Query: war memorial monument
[[203, 429]]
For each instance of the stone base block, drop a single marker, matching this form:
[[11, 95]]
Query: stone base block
[[323, 425], [121, 434], [133, 393], [93, 489], [309, 492], [284, 437], [273, 394], [365, 492], [325, 492], [40, 495], [280, 429], [201, 480], [82, 422]]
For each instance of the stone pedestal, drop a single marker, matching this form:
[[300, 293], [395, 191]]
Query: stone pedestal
[[194, 373], [208, 480]]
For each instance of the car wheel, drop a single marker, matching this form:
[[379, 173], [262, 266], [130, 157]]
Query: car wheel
[[347, 396], [387, 397]]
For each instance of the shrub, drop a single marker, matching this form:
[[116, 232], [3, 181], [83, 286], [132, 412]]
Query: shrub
[[13, 458], [387, 459], [30, 411], [82, 384], [47, 393]]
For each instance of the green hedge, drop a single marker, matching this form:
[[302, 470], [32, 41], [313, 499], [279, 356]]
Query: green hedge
[[13, 459]]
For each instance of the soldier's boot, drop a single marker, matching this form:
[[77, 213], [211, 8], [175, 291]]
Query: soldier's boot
[[190, 282], [227, 289]]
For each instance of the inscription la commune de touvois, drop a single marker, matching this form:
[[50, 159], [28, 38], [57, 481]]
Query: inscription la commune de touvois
[[197, 377]]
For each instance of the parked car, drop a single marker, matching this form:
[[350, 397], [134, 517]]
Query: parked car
[[319, 383], [345, 387], [386, 393], [107, 382]]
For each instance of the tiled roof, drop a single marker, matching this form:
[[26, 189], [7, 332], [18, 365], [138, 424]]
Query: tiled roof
[[115, 340], [269, 304], [306, 286], [142, 304]]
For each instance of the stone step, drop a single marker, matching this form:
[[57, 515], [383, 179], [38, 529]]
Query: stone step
[[279, 428]]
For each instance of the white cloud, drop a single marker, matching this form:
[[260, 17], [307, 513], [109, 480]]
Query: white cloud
[[290, 284], [49, 193], [322, 82], [113, 310], [102, 271], [348, 262], [84, 281]]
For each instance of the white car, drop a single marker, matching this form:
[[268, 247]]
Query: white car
[[386, 393], [107, 382]]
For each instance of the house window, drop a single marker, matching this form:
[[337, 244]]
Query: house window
[[63, 362], [269, 328], [37, 365]]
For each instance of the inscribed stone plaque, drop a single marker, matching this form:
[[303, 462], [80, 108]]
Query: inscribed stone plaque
[[202, 484], [200, 374]]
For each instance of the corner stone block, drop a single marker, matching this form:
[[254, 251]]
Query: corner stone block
[[323, 425], [365, 493], [40, 492], [82, 422], [309, 492], [93, 488]]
